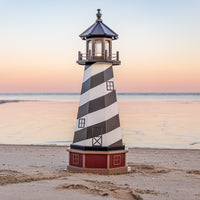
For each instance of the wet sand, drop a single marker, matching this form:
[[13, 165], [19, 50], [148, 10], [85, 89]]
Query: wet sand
[[39, 172]]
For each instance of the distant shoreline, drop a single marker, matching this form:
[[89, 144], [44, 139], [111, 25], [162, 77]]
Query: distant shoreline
[[67, 146], [119, 93], [5, 97], [17, 101], [9, 101]]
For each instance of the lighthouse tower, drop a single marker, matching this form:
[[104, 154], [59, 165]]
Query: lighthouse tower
[[97, 146]]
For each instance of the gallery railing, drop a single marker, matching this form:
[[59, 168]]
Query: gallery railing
[[88, 57]]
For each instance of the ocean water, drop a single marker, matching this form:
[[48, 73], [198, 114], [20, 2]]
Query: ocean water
[[147, 119]]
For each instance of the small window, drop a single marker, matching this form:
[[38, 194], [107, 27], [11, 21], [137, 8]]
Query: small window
[[75, 159], [96, 136], [110, 85], [117, 160], [97, 141], [81, 123]]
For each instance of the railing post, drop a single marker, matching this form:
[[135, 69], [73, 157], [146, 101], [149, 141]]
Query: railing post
[[89, 54], [106, 56], [117, 54], [79, 55]]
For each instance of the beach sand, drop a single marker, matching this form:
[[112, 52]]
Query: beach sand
[[39, 172]]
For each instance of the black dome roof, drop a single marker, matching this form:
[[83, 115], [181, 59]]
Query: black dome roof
[[99, 29]]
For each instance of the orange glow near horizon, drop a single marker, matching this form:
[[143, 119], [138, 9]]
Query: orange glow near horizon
[[69, 79], [60, 73], [138, 76]]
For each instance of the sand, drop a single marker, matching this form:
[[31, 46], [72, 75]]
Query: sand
[[39, 172]]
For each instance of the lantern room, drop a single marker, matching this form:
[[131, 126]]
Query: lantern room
[[98, 44]]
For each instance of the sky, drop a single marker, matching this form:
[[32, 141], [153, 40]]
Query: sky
[[159, 44]]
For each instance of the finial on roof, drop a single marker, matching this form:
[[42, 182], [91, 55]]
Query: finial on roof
[[99, 15]]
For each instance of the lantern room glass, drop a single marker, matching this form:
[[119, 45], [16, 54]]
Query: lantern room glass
[[98, 48], [89, 48], [107, 47]]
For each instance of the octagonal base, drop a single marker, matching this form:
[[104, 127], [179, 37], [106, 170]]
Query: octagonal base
[[100, 162]]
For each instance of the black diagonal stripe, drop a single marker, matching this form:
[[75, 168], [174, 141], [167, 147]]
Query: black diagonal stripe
[[105, 126], [97, 79], [97, 104], [87, 66], [119, 142]]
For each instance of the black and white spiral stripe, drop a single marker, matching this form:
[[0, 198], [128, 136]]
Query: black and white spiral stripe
[[98, 107]]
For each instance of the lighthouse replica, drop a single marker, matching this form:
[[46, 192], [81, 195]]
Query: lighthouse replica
[[97, 146]]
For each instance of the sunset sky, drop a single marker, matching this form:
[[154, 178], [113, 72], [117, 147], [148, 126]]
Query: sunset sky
[[159, 44]]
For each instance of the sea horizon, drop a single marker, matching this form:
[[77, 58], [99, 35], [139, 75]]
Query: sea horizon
[[125, 96], [121, 93]]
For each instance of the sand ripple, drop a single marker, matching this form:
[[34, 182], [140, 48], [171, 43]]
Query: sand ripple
[[104, 188], [13, 177]]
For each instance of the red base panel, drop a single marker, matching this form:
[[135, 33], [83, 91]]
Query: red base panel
[[95, 161], [76, 159], [117, 160], [105, 160]]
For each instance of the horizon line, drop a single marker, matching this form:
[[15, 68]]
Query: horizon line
[[119, 93]]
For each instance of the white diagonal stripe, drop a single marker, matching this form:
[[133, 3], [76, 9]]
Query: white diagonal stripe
[[94, 93], [99, 116], [95, 69]]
